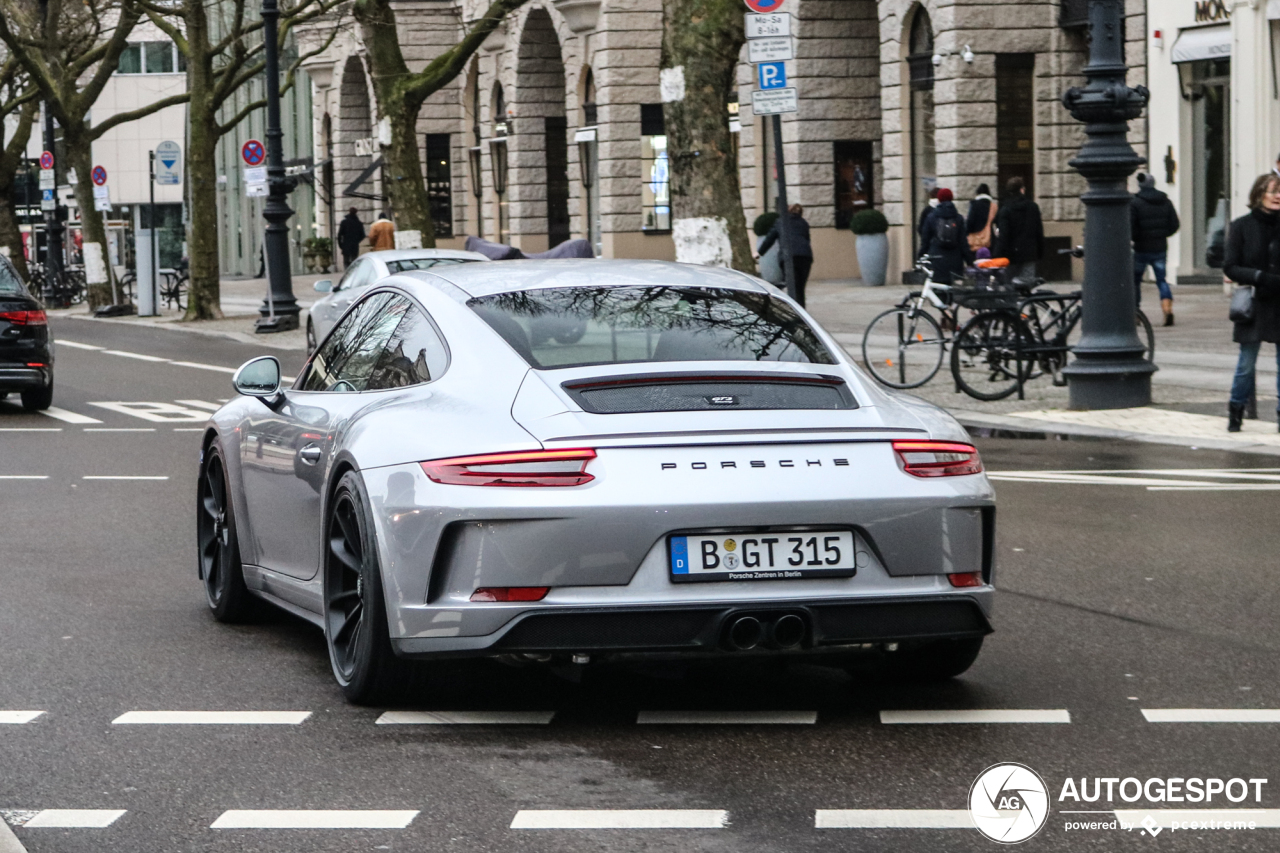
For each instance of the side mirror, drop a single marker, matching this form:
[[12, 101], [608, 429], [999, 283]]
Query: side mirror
[[324, 285], [258, 377]]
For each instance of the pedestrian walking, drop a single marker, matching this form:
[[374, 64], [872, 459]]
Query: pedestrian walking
[[1019, 231], [1152, 221], [982, 215], [801, 248], [1253, 260], [350, 233], [382, 234], [924, 214], [945, 239]]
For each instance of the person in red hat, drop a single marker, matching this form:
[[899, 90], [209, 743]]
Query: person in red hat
[[946, 239]]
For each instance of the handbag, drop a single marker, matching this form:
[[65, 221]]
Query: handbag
[[1243, 306]]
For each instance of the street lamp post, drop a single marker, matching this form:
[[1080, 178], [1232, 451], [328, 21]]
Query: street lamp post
[[1110, 370], [280, 309]]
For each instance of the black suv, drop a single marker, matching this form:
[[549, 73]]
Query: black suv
[[26, 354]]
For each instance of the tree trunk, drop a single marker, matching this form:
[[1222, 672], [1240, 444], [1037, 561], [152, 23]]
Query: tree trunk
[[406, 188], [98, 273], [10, 233], [205, 298], [10, 156], [701, 40]]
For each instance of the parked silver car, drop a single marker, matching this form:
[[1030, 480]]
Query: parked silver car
[[364, 272], [577, 461]]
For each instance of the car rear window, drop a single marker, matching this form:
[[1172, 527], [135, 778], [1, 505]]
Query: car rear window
[[580, 326], [9, 281], [422, 263]]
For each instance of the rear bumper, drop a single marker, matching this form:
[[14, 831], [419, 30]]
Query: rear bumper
[[701, 629], [13, 378]]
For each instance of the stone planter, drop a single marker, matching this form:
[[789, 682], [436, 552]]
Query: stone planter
[[316, 262], [873, 258]]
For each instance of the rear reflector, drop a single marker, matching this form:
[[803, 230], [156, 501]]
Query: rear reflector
[[964, 579], [937, 458], [521, 468], [25, 318], [510, 593]]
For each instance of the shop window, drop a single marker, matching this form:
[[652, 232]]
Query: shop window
[[152, 57], [1015, 120], [854, 185], [655, 201], [440, 183]]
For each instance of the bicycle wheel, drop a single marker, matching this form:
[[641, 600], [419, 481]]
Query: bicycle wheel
[[180, 292], [986, 358], [903, 348], [1146, 334]]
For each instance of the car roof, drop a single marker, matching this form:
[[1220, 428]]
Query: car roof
[[507, 276], [388, 255]]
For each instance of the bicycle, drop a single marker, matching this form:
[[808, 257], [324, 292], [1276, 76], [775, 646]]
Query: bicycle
[[65, 289], [173, 290]]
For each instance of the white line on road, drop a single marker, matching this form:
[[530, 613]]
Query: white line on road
[[892, 819], [188, 429], [9, 842], [199, 366], [465, 718], [141, 356], [991, 715], [137, 355], [1211, 715], [211, 718], [727, 718], [119, 429], [200, 404], [74, 819], [30, 429], [620, 819], [313, 819], [18, 718], [74, 345], [24, 476], [69, 417], [1165, 818], [115, 477]]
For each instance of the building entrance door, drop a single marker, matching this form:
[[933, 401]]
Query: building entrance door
[[1211, 162]]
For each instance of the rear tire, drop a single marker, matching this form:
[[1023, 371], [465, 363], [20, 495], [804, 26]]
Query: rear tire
[[985, 356], [934, 661], [217, 548], [38, 399]]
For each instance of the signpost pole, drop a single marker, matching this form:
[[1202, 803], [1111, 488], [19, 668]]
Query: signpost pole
[[155, 256], [276, 211], [52, 222], [784, 214]]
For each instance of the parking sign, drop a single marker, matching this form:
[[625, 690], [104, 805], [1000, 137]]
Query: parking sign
[[772, 75]]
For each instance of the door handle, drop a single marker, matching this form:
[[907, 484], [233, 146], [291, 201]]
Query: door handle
[[310, 454]]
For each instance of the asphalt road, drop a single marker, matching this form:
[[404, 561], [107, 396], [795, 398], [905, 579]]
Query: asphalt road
[[1115, 597]]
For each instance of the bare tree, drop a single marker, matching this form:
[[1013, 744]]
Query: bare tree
[[16, 96]]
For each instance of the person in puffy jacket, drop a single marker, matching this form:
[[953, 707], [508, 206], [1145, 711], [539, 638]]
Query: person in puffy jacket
[[1253, 258], [946, 239], [1019, 231], [1152, 220]]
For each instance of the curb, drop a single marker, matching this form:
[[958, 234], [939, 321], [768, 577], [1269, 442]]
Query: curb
[[9, 842], [982, 420]]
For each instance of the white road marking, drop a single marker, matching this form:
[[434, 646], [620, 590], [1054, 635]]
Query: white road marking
[[1211, 715], [892, 819], [119, 429], [118, 477], [137, 355], [313, 819], [30, 429], [985, 715], [74, 819], [1166, 818], [727, 718], [188, 429], [200, 404], [24, 476], [69, 417], [199, 366], [142, 357], [18, 718], [9, 842], [465, 718], [211, 718], [74, 345], [1155, 479], [155, 412], [620, 819]]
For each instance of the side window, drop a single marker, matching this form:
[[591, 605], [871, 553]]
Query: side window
[[357, 275], [415, 353], [347, 357]]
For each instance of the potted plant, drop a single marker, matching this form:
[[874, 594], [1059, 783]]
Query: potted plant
[[317, 254], [870, 226]]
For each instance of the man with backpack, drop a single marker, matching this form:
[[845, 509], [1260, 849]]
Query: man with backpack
[[946, 239], [1152, 220], [1019, 232]]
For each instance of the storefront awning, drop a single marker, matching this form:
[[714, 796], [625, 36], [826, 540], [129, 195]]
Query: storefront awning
[[1202, 43]]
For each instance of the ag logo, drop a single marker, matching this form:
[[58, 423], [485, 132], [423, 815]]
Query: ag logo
[[1009, 803]]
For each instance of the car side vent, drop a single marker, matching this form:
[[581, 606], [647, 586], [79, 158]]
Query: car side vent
[[676, 392]]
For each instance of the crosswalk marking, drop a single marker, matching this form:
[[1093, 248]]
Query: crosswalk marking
[[892, 819], [1211, 715], [313, 819], [18, 718], [68, 417], [211, 718], [727, 718], [74, 819], [620, 819], [465, 718], [991, 715]]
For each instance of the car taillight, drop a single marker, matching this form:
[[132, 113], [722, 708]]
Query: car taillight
[[963, 579], [510, 593], [25, 318], [937, 458], [520, 468]]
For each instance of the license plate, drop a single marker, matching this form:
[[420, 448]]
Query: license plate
[[748, 556]]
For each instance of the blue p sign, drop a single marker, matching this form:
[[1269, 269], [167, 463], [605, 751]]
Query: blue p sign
[[772, 75]]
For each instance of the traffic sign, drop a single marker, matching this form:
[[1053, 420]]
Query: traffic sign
[[770, 50], [47, 201], [46, 160], [771, 75], [768, 26], [773, 101], [764, 5], [47, 179], [168, 163], [99, 176], [253, 152]]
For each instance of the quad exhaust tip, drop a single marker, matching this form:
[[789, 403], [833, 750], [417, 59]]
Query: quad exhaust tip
[[748, 632]]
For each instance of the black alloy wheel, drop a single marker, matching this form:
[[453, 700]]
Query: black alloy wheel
[[218, 550]]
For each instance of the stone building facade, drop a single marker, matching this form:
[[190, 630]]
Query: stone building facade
[[555, 129]]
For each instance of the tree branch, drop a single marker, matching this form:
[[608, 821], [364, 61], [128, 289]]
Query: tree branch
[[448, 65], [141, 112]]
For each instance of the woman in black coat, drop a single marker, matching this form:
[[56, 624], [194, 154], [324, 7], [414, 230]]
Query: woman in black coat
[[1253, 258]]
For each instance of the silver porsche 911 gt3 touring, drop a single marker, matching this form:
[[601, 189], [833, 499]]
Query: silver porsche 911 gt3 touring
[[593, 460]]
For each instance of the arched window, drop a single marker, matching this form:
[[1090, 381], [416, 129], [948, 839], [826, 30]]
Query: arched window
[[924, 152]]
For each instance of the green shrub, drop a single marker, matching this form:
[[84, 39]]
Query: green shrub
[[868, 221], [321, 245], [763, 223]]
